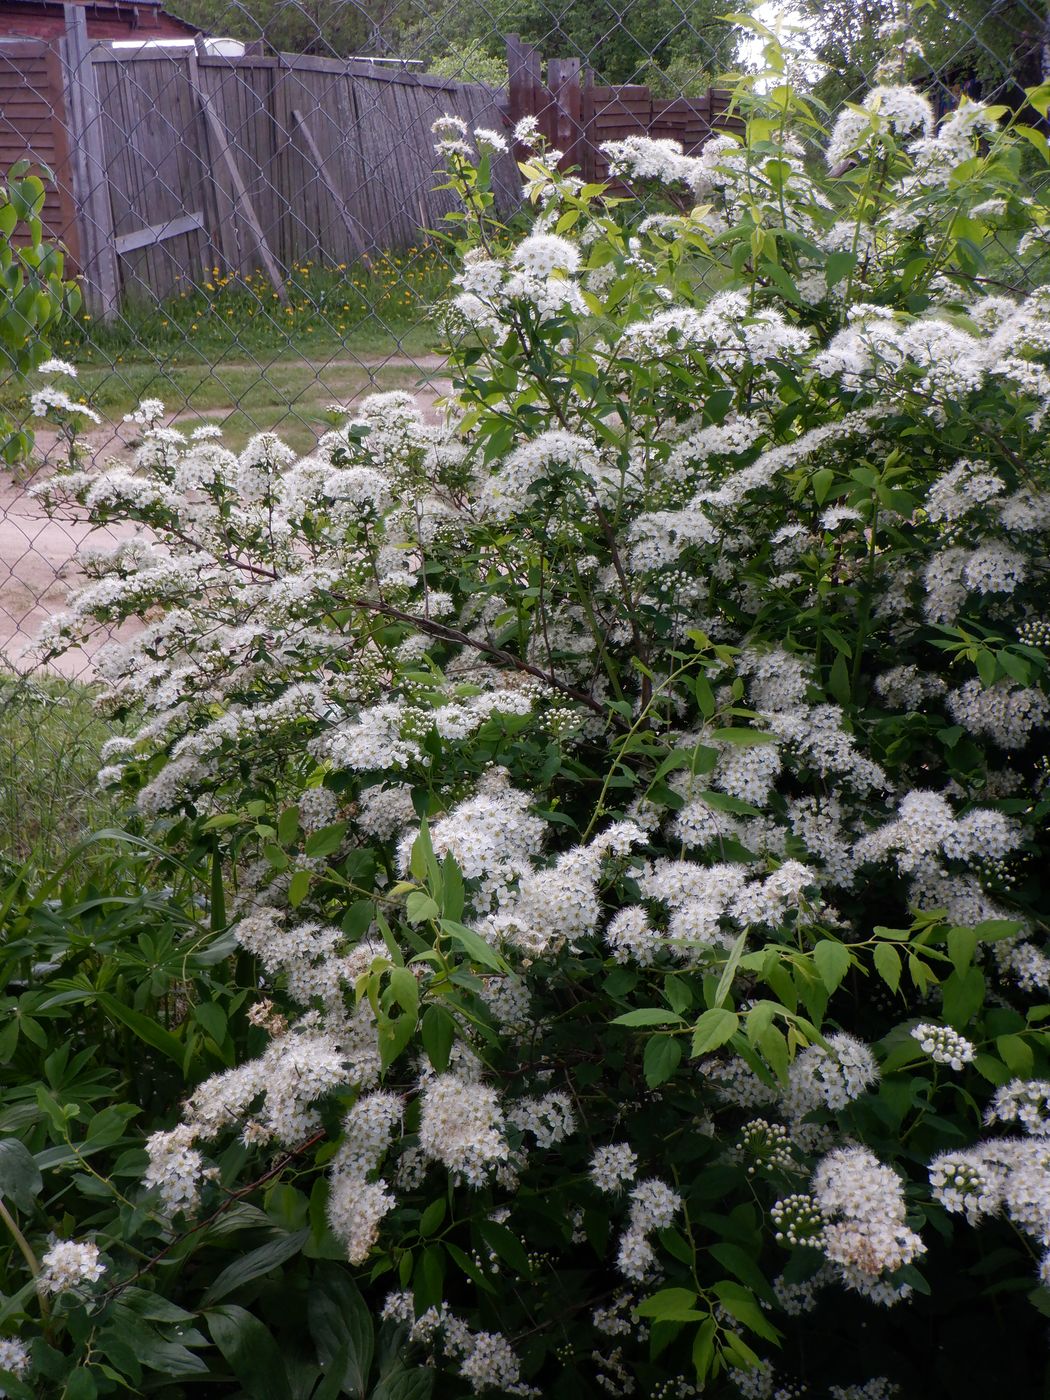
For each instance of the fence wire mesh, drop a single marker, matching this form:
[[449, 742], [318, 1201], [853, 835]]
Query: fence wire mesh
[[249, 196]]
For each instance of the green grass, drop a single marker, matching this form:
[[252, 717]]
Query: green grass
[[386, 308], [50, 738], [229, 353]]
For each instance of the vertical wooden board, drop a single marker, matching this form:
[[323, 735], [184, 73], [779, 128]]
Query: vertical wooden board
[[290, 170], [60, 216], [227, 226], [417, 168], [356, 193], [202, 256], [378, 157], [102, 280]]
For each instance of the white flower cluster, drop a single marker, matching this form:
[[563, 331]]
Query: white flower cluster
[[14, 1357], [462, 1126], [944, 1045], [486, 1359], [356, 1204], [614, 1167], [653, 1207], [866, 1234], [69, 1265]]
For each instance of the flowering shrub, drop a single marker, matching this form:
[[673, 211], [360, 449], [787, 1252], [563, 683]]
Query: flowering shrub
[[626, 798]]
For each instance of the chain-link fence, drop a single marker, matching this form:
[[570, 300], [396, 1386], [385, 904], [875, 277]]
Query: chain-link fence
[[249, 195]]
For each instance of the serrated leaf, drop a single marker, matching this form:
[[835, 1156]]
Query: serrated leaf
[[419, 907], [713, 1029], [888, 965], [474, 945], [648, 1016], [663, 1054], [833, 961], [325, 841]]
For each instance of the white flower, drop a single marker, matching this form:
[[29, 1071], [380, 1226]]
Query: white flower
[[613, 1167], [68, 1264], [461, 1126], [944, 1045], [56, 366], [544, 253], [490, 139], [175, 1168], [49, 399], [527, 132], [14, 1357]]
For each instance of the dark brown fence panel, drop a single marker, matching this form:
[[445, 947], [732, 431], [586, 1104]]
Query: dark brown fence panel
[[577, 116]]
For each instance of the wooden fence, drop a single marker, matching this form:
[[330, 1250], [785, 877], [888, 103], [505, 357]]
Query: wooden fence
[[170, 161], [577, 115]]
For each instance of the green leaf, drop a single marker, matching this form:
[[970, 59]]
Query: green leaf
[[506, 1245], [888, 965], [341, 1328], [404, 1383], [962, 944], [145, 1027], [250, 1352], [704, 1348], [20, 1179], [662, 1057], [963, 995], [648, 1016], [80, 1385], [833, 962], [839, 681], [742, 1266], [438, 1030], [209, 1015], [405, 990], [474, 945], [299, 887], [740, 1303], [288, 826], [670, 1304], [713, 1029], [325, 841], [725, 982], [1016, 1052], [432, 1217], [419, 907], [822, 482], [254, 1264]]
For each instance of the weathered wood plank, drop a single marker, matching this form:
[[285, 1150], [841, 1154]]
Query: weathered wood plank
[[91, 180], [159, 233], [217, 135]]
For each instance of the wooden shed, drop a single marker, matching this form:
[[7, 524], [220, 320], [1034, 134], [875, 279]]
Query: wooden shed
[[33, 95], [106, 19]]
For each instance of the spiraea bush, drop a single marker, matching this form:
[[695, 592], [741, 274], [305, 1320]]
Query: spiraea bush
[[624, 810]]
